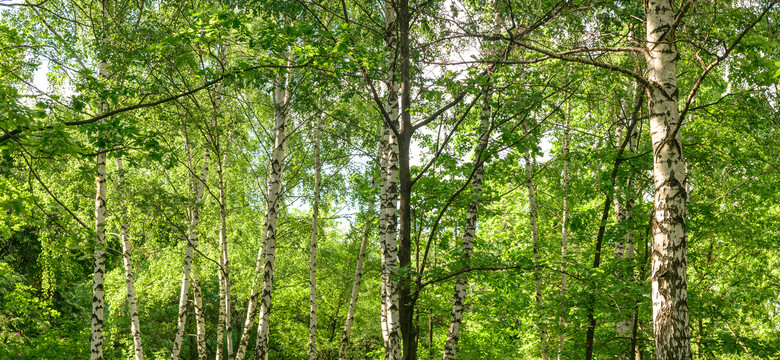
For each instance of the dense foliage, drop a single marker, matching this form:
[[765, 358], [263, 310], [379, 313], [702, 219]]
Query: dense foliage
[[171, 87]]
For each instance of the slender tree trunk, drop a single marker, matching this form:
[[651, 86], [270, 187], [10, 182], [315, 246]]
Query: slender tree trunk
[[98, 293], [223, 321], [608, 201], [192, 244], [358, 275], [135, 323], [251, 310], [281, 102], [459, 296], [388, 237], [224, 270], [669, 259], [200, 320], [535, 234], [99, 268], [313, 247], [405, 300], [564, 227]]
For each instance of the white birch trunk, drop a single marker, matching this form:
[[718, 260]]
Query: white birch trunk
[[251, 308], [313, 247], [224, 269], [135, 323], [388, 235], [99, 268], [356, 284], [470, 229], [224, 321], [192, 243], [98, 293], [669, 255], [200, 321], [459, 296], [281, 102]]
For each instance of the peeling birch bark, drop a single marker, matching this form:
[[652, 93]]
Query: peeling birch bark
[[669, 250], [200, 321], [99, 267], [281, 102], [388, 235]]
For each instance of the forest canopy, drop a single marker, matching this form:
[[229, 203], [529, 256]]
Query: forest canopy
[[396, 179]]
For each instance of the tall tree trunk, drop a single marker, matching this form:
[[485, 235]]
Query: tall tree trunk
[[224, 266], [200, 321], [358, 275], [98, 293], [459, 295], [251, 309], [608, 202], [669, 259], [389, 161], [564, 226], [313, 247], [461, 283], [224, 321], [99, 268], [135, 323], [192, 244], [405, 301], [535, 234], [281, 102]]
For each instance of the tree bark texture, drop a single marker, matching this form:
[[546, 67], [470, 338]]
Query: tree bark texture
[[281, 101], [669, 250], [98, 293], [200, 321], [99, 267], [388, 237], [405, 300]]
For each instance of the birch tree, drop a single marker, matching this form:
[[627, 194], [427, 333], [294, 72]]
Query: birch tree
[[281, 96], [469, 232], [315, 209], [135, 323], [371, 207], [197, 186], [388, 238], [200, 320], [670, 259], [98, 292]]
